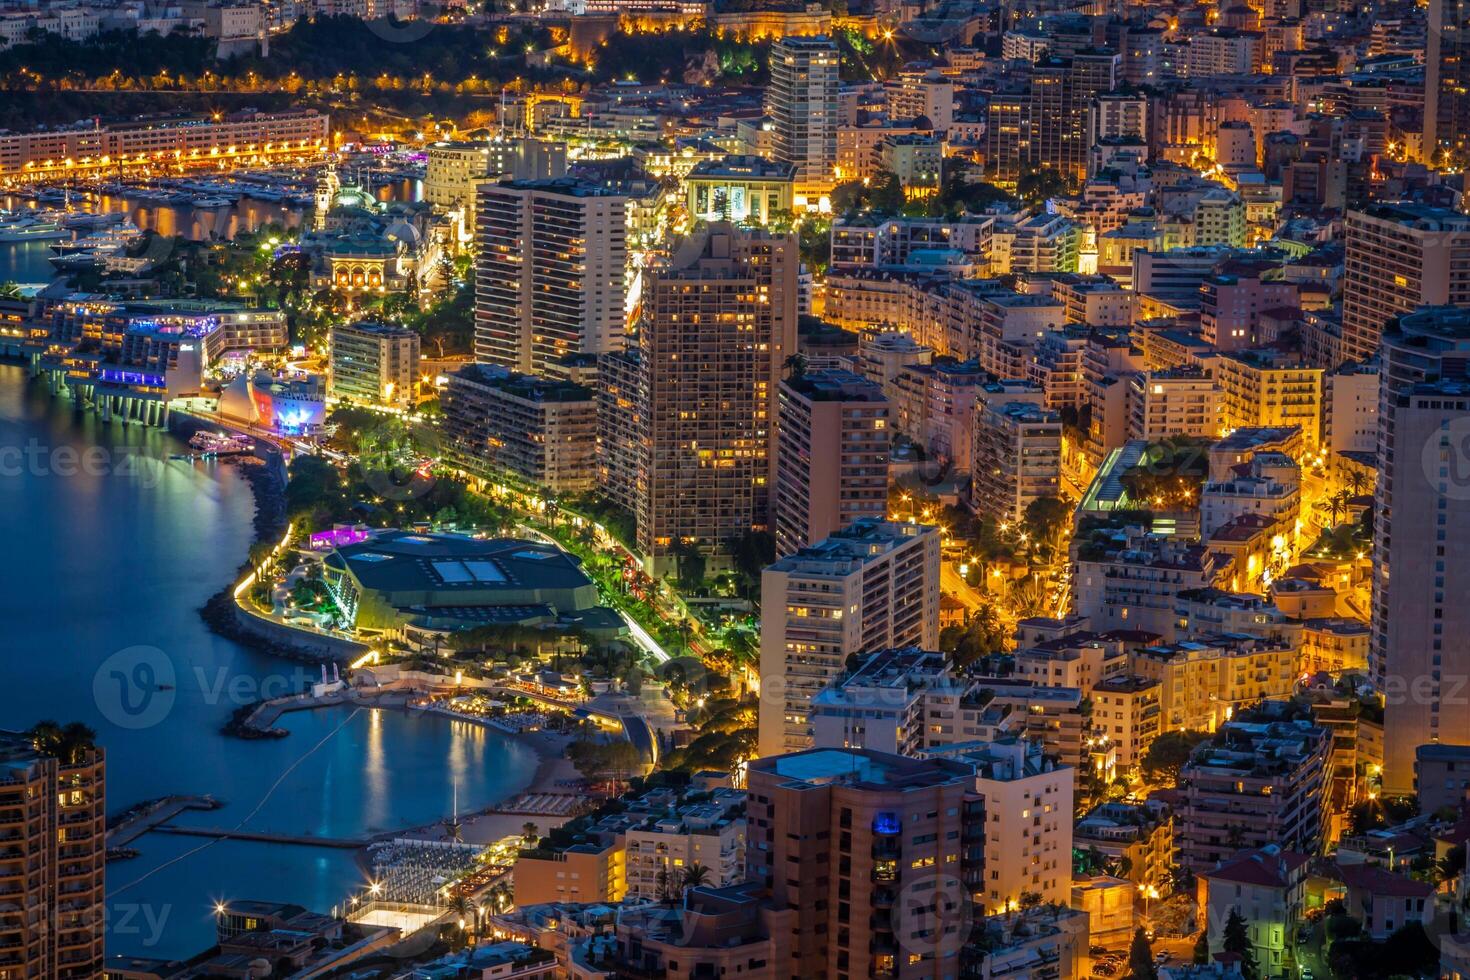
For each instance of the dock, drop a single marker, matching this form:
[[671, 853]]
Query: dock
[[264, 837], [154, 815]]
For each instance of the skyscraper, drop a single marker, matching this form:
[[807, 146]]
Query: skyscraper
[[878, 855], [871, 586], [1399, 257], [802, 104], [1446, 80], [53, 815], [832, 442], [1420, 652], [717, 325], [549, 279]]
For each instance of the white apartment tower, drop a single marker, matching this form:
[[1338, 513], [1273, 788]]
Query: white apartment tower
[[871, 586], [549, 279], [802, 104]]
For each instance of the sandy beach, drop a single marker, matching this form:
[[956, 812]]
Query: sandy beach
[[554, 768]]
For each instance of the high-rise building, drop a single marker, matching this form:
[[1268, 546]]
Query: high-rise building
[[1261, 779], [455, 169], [1017, 457], [549, 278], [1028, 822], [871, 586], [1446, 82], [802, 103], [1399, 257], [879, 854], [1421, 538], [54, 817], [374, 364], [832, 437], [717, 325], [540, 430]]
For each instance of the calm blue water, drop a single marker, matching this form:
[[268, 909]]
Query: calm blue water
[[119, 549], [26, 263]]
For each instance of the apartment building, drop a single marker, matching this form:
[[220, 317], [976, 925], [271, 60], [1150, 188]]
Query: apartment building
[[1173, 402], [1140, 835], [1266, 887], [53, 797], [1270, 488], [1127, 710], [1421, 538], [1017, 458], [832, 447], [844, 836], [708, 835], [1266, 388], [1262, 779], [1399, 257], [373, 364], [542, 431], [1133, 582], [802, 103], [910, 701], [549, 271], [1028, 822], [868, 587], [1204, 681]]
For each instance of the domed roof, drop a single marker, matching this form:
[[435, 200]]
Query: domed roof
[[237, 401], [402, 231]]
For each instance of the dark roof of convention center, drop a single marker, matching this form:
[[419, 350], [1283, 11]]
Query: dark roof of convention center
[[393, 561]]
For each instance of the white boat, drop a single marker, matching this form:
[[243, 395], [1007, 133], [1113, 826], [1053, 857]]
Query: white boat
[[30, 228], [117, 235], [212, 202], [83, 220]]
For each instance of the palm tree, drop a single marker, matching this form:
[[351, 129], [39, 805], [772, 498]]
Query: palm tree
[[695, 876], [661, 882], [46, 736], [464, 911], [530, 831], [77, 741]]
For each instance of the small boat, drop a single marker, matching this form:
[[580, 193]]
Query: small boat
[[211, 203], [214, 444]]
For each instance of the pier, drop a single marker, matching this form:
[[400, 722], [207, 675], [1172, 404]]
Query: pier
[[151, 817], [304, 840]]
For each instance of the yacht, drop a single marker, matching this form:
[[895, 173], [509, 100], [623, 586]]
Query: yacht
[[211, 203], [30, 227], [118, 235]]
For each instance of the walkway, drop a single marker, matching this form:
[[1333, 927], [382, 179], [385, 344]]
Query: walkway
[[160, 812], [305, 840]]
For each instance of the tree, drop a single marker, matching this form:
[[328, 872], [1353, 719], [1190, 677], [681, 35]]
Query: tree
[[1037, 185], [1141, 958], [1452, 865], [1044, 519], [1168, 753], [530, 831], [886, 196], [695, 876], [1202, 948], [982, 633], [1236, 940]]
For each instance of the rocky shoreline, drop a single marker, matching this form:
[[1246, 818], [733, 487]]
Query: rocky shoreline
[[219, 612]]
